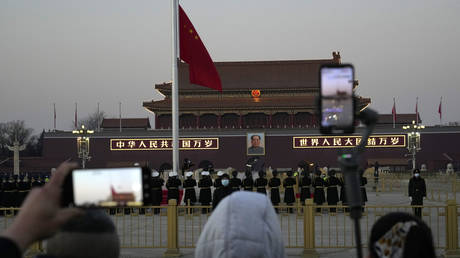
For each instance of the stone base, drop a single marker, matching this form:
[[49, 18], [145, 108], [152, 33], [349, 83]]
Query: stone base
[[310, 253], [452, 253], [172, 253]]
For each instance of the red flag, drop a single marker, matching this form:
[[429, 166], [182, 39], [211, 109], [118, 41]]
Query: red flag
[[193, 52]]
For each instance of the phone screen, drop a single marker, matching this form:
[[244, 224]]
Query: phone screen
[[107, 187], [337, 107]]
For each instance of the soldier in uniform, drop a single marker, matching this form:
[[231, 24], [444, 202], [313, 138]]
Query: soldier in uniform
[[157, 191], [34, 182], [261, 183], [318, 185], [221, 192], [248, 182], [376, 174], [274, 184], [172, 185], [288, 184], [189, 186], [363, 182], [235, 182], [343, 197], [417, 191], [205, 184], [23, 189], [332, 193], [305, 183], [217, 182]]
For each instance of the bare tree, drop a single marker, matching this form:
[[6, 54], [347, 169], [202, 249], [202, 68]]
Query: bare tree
[[92, 121], [10, 132]]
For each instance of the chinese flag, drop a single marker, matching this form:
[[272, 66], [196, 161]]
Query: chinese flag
[[193, 52]]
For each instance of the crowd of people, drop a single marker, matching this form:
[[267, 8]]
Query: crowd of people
[[325, 187], [15, 188], [243, 223]]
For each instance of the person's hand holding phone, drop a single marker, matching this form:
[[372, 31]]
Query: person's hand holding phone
[[41, 215]]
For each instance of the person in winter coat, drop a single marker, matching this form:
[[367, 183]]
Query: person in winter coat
[[157, 192], [332, 193], [318, 185], [305, 183], [261, 183], [363, 188], [189, 186], [173, 184], [248, 182], [274, 185], [221, 192], [288, 184], [243, 225], [205, 184], [235, 182], [417, 191]]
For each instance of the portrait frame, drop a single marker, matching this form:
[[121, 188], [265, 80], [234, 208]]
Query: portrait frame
[[250, 149]]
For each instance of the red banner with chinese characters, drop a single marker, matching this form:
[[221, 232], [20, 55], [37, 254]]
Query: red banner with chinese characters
[[374, 141], [163, 144]]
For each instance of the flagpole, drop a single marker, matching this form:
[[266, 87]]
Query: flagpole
[[175, 86], [98, 121], [119, 112], [54, 107], [440, 111], [393, 112], [416, 111]]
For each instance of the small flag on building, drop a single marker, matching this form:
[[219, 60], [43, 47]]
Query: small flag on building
[[440, 111]]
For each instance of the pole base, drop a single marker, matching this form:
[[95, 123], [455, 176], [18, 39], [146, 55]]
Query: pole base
[[452, 253], [172, 253], [310, 253]]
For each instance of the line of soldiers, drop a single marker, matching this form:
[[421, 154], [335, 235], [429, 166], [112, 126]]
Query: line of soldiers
[[14, 188], [325, 188]]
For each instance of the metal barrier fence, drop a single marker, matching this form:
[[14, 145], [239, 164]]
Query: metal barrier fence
[[307, 227], [440, 188]]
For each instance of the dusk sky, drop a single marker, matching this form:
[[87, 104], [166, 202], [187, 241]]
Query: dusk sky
[[54, 51]]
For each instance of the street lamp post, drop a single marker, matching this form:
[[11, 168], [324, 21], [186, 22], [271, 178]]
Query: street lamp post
[[83, 144], [413, 138]]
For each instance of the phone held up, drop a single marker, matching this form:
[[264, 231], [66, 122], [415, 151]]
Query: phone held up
[[107, 187], [337, 102]]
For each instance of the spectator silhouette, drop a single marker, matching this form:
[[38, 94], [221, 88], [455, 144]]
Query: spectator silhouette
[[399, 234], [87, 236], [244, 224]]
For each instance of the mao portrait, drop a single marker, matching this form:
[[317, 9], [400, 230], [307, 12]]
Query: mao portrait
[[255, 144]]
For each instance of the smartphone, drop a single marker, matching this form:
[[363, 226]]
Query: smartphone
[[337, 102], [107, 187]]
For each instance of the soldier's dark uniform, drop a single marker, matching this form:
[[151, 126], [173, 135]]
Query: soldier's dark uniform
[[205, 184], [189, 186], [217, 182], [235, 182], [157, 192], [305, 183], [9, 189], [173, 188], [318, 185], [288, 183], [417, 190], [332, 183], [274, 184], [23, 190], [261, 183], [363, 183], [221, 192], [248, 182], [35, 182]]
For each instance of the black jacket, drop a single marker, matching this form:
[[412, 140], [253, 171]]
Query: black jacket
[[417, 190]]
